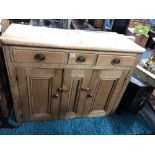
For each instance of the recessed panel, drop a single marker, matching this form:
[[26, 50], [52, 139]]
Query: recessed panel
[[39, 95]]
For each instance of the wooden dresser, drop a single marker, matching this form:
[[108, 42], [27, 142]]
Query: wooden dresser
[[57, 73]]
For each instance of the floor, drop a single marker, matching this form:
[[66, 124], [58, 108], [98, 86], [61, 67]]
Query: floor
[[149, 115], [117, 124]]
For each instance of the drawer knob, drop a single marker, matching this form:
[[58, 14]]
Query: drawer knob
[[115, 61], [80, 59], [39, 57]]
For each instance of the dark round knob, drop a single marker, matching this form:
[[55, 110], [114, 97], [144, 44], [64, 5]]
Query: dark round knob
[[56, 95], [39, 57], [90, 95], [115, 61], [80, 59]]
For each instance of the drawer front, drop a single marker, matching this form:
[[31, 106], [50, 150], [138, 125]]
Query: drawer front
[[26, 56], [115, 60], [83, 59]]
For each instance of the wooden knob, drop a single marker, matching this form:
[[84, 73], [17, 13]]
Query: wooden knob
[[90, 95], [60, 89], [56, 95], [64, 89]]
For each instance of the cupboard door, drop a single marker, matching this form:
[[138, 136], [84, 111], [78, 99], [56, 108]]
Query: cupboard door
[[76, 82], [38, 92], [105, 87]]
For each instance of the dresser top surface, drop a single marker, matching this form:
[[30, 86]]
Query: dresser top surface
[[27, 35]]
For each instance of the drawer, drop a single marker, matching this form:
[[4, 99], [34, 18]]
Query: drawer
[[27, 56], [80, 58], [115, 60]]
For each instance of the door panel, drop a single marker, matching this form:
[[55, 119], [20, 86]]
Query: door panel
[[105, 87], [37, 88], [115, 92], [74, 94], [72, 101], [40, 95]]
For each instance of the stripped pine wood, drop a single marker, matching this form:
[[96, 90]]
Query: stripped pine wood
[[57, 74], [27, 35], [13, 81], [28, 57]]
